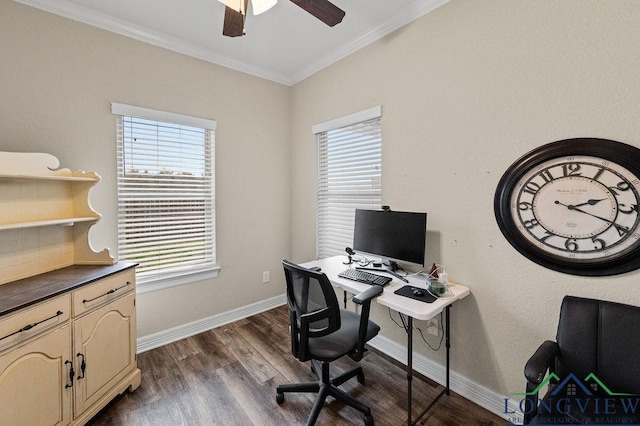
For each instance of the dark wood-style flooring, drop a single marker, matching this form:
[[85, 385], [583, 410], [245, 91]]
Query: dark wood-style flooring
[[228, 376]]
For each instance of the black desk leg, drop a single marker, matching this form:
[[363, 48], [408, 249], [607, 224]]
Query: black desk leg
[[409, 367], [447, 343], [446, 390]]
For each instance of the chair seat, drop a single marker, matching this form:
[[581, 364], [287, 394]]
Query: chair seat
[[342, 341]]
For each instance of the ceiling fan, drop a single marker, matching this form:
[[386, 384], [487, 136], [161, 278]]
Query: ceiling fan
[[235, 13]]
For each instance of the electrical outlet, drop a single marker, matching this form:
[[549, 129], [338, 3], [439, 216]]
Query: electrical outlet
[[432, 327], [265, 277]]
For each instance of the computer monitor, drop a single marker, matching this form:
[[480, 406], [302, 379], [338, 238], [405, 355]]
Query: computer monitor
[[391, 235]]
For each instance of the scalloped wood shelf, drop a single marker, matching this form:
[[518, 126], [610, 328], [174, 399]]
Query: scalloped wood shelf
[[50, 206], [38, 223], [50, 177]]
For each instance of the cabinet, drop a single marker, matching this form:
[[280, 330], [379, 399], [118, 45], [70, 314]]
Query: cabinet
[[66, 357], [101, 364], [67, 313], [33, 381]]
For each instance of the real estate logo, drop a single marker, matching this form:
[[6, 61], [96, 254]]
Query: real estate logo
[[588, 401]]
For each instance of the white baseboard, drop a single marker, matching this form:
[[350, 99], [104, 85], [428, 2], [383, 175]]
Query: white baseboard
[[174, 334], [474, 392]]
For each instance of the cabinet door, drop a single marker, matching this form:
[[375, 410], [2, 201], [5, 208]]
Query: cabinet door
[[34, 381], [105, 341]]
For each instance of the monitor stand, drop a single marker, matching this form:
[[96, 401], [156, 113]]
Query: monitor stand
[[388, 270]]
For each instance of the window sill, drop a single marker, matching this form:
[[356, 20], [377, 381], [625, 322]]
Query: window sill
[[168, 281]]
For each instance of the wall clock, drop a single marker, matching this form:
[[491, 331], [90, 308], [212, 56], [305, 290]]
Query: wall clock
[[572, 206]]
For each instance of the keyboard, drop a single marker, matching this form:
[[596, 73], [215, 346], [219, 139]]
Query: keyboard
[[365, 277]]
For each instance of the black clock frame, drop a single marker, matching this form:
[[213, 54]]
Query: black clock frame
[[620, 153]]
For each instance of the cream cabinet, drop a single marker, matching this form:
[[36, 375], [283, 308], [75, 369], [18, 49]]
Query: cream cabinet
[[60, 365], [67, 312], [35, 381], [101, 364]]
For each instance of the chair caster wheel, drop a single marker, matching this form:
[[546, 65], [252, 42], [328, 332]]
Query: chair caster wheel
[[368, 420], [280, 398]]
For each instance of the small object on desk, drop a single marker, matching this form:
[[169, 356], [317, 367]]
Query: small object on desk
[[433, 273], [365, 277], [350, 253], [416, 293], [437, 288]]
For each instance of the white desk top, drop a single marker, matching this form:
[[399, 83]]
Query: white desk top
[[332, 266]]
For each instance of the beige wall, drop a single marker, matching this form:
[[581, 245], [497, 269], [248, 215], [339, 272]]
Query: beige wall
[[465, 91], [57, 79]]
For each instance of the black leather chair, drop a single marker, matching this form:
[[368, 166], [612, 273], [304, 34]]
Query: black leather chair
[[322, 332], [596, 363]]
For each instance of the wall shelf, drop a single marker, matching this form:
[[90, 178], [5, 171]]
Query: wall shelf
[[53, 222], [87, 178], [50, 206]]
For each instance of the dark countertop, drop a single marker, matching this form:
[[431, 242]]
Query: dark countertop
[[18, 294]]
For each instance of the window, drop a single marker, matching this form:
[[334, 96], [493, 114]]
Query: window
[[166, 210], [349, 176]]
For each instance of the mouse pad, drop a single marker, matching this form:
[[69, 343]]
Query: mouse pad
[[407, 291]]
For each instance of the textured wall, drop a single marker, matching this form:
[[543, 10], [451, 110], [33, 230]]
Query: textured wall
[[57, 79], [465, 91]]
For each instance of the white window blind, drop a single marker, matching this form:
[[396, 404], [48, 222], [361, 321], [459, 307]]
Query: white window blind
[[350, 176], [166, 211]]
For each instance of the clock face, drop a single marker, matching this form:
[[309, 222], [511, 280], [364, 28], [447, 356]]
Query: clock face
[[572, 206]]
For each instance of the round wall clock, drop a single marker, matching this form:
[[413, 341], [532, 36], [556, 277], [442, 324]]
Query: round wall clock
[[572, 206]]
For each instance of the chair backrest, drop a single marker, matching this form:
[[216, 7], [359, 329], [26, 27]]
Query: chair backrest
[[601, 339], [313, 306]]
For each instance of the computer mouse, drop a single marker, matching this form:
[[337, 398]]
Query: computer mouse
[[417, 292]]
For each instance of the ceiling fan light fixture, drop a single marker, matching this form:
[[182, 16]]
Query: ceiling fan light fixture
[[260, 6], [237, 5]]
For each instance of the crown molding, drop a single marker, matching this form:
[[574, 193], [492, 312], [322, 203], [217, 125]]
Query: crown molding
[[100, 20], [409, 14]]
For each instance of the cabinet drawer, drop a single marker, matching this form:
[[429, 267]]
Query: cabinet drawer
[[28, 322], [103, 291]]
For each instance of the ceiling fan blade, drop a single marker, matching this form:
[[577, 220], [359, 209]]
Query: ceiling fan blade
[[324, 10], [234, 21]]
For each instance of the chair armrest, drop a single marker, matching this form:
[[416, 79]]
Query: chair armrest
[[367, 295], [536, 367], [364, 299]]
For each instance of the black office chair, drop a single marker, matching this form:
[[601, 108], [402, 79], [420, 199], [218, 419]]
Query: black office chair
[[596, 359], [322, 332]]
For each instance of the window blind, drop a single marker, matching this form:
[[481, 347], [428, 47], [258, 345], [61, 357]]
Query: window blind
[[166, 211], [349, 177]]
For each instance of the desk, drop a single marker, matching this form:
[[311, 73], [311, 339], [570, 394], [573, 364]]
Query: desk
[[404, 305]]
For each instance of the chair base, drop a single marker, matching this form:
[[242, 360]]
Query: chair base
[[326, 386]]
